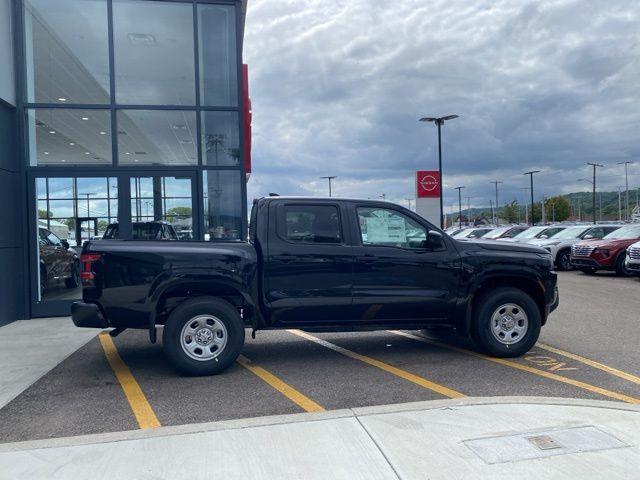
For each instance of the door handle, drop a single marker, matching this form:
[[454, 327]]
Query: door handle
[[367, 259]]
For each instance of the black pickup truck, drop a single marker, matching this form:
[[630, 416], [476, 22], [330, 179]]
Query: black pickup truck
[[317, 264]]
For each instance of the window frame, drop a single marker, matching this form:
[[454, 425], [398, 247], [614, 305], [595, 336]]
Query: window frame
[[281, 223]]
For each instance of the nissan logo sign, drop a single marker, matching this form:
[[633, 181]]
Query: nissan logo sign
[[429, 183]]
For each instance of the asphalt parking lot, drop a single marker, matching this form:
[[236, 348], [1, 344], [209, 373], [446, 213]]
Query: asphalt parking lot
[[588, 349]]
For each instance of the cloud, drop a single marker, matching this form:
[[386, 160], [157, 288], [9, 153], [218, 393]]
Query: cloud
[[337, 89]]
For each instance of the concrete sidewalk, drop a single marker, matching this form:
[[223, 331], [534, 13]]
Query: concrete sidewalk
[[481, 438], [30, 348]]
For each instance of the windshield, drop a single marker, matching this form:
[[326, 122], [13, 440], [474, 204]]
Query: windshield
[[530, 232], [625, 233], [496, 232], [568, 233]]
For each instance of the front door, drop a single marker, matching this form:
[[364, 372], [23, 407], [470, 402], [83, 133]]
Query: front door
[[308, 268], [397, 275]]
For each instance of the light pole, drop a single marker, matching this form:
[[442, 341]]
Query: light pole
[[594, 165], [439, 121], [619, 204], [526, 209], [468, 199], [330, 177], [409, 202], [459, 205], [530, 173], [626, 182], [496, 183], [88, 195]]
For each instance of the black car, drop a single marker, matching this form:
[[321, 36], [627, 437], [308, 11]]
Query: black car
[[317, 265], [57, 261]]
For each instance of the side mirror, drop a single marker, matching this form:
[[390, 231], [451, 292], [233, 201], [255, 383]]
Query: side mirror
[[588, 237], [434, 240], [65, 244], [544, 237]]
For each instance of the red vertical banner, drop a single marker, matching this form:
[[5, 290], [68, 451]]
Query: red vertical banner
[[428, 184], [246, 119]]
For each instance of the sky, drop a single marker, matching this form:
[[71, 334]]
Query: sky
[[337, 88]]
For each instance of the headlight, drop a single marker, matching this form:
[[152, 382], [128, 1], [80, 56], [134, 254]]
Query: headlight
[[602, 251]]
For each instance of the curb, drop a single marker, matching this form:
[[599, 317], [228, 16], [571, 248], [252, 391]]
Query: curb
[[271, 420]]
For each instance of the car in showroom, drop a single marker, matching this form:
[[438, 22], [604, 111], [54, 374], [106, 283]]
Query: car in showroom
[[633, 258], [58, 262], [607, 253], [532, 234], [504, 232], [317, 264], [559, 245], [154, 230]]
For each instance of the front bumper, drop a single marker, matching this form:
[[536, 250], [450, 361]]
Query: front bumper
[[585, 262], [87, 315], [633, 266]]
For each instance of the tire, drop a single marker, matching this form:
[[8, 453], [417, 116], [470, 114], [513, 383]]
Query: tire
[[563, 260], [74, 280], [621, 268], [43, 280], [203, 336], [588, 271], [506, 323]]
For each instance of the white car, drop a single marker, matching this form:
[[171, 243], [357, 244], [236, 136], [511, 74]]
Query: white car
[[472, 233], [533, 234], [559, 245], [633, 258]]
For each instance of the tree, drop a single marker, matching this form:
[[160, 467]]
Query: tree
[[509, 212], [557, 208], [178, 212], [44, 214]]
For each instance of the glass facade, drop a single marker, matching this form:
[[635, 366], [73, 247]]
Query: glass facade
[[132, 116]]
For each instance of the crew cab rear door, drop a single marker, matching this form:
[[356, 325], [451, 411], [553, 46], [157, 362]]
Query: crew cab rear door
[[308, 267], [397, 274]]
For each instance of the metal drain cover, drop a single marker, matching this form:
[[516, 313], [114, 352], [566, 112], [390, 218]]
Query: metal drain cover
[[540, 444]]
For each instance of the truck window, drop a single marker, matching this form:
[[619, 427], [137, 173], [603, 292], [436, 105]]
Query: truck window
[[380, 226], [312, 224]]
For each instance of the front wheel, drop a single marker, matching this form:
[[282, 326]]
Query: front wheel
[[621, 266], [203, 336], [563, 260], [506, 322], [74, 280]]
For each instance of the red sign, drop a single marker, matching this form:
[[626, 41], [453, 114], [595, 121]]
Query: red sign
[[428, 184]]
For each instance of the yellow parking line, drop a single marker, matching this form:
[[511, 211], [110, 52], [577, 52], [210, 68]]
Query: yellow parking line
[[287, 390], [423, 382], [142, 410], [526, 368], [591, 363]]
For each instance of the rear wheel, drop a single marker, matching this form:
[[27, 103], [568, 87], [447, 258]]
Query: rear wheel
[[621, 266], [203, 336], [563, 260], [506, 322]]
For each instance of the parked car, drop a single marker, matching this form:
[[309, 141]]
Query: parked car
[[531, 234], [470, 233], [559, 245], [156, 230], [608, 253], [318, 264], [57, 261], [504, 232], [633, 258]]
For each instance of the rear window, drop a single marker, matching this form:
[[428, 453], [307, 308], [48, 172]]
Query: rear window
[[311, 224], [145, 231]]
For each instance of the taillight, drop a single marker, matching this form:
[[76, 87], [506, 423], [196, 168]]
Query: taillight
[[87, 274]]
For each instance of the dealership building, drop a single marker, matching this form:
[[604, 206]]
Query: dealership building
[[127, 112]]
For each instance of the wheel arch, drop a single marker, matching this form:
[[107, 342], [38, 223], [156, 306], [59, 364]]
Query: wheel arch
[[530, 286]]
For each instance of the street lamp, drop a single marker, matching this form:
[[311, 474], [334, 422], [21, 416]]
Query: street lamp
[[495, 220], [594, 165], [459, 205], [330, 177], [533, 220], [88, 195], [626, 181], [439, 121]]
